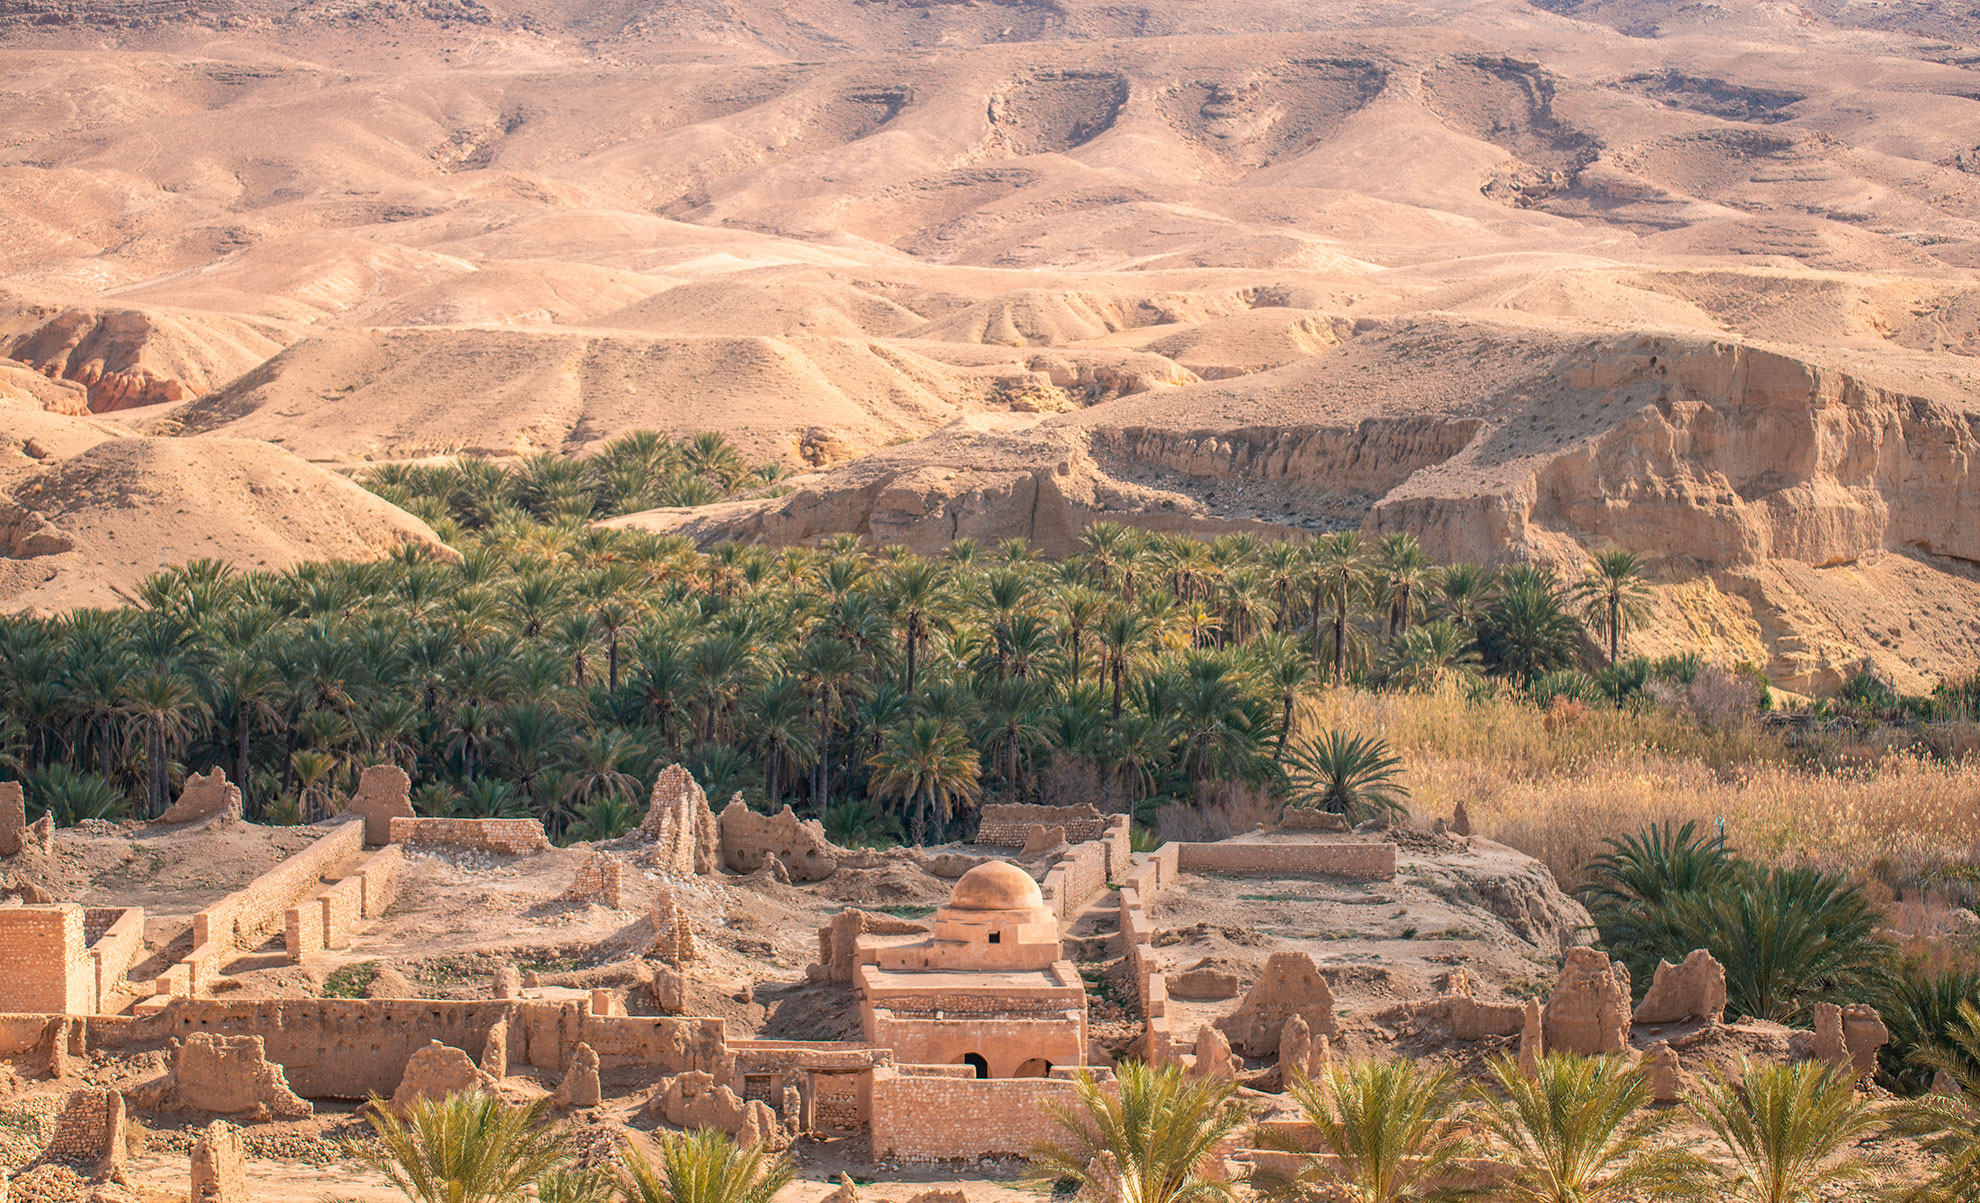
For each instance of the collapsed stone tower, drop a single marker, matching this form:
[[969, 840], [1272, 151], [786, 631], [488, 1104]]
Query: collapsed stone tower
[[673, 934], [686, 840]]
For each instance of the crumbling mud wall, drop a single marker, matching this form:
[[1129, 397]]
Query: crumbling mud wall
[[501, 837], [204, 797], [1077, 879], [339, 1048], [384, 793], [749, 839]]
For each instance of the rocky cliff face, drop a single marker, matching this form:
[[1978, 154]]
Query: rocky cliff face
[[1806, 497]]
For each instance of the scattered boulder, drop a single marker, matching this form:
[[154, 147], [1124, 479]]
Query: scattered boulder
[[1290, 985], [207, 796], [384, 793], [686, 839], [580, 1085], [1202, 985], [1461, 820], [435, 1072], [1695, 989], [219, 1168], [508, 981], [1589, 1011], [232, 1076]]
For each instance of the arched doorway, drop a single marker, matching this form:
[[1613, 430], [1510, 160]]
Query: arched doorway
[[976, 1062], [1037, 1067]]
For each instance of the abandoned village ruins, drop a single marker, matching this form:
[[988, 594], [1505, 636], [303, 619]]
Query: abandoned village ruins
[[937, 1024]]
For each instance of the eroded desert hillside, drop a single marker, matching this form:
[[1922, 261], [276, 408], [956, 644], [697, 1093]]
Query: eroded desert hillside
[[1525, 279]]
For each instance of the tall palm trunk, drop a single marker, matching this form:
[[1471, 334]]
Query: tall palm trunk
[[241, 730], [1340, 641], [158, 779]]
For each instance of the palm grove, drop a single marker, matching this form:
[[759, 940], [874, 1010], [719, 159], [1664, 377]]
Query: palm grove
[[554, 665]]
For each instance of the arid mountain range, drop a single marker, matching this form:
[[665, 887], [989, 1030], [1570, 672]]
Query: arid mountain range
[[1701, 280]]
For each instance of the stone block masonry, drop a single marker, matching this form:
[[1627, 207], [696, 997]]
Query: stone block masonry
[[501, 837], [918, 1118], [45, 967], [600, 878], [1358, 859]]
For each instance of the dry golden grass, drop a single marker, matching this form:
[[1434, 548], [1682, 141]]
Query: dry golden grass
[[1556, 787]]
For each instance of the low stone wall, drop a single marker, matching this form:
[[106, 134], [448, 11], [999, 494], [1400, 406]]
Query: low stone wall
[[503, 837], [1005, 825], [1076, 880], [116, 940], [380, 874], [243, 919], [1360, 859], [918, 1116]]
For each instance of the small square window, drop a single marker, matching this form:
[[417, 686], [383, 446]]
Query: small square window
[[996, 937]]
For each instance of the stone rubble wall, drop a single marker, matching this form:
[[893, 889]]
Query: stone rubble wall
[[1359, 859], [1005, 825], [503, 837]]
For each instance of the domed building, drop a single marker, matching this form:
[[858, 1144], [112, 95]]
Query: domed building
[[988, 988]]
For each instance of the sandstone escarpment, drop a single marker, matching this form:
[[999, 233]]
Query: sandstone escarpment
[[128, 358]]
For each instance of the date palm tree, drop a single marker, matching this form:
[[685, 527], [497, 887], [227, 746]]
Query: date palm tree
[[705, 1166], [1405, 573], [1352, 775], [1614, 595], [465, 1148], [1579, 1131], [1788, 1131], [929, 765], [1339, 564], [1948, 1121], [1151, 1140], [1390, 1132], [162, 709]]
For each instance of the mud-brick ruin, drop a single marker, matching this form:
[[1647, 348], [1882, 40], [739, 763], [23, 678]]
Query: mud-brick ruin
[[738, 970]]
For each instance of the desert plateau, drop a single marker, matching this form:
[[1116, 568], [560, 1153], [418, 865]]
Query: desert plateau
[[924, 601]]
